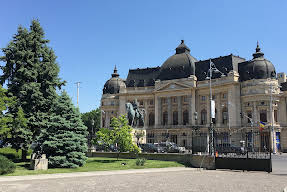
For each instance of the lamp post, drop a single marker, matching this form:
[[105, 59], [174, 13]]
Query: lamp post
[[212, 69]]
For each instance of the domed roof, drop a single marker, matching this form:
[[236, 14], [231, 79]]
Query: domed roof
[[180, 65], [258, 67], [113, 85]]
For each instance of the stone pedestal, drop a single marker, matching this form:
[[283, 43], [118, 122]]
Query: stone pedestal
[[40, 163]]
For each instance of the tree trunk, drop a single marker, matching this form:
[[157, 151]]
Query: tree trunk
[[24, 154]]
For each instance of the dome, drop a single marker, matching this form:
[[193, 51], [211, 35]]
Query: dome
[[114, 84], [180, 65], [258, 67]]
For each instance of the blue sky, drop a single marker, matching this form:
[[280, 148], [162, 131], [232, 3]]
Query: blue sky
[[91, 37]]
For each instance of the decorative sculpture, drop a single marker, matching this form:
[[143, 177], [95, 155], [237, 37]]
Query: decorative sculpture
[[135, 115]]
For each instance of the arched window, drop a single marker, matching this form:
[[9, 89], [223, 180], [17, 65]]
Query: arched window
[[151, 119], [175, 118], [164, 118], [185, 117], [203, 117], [224, 116]]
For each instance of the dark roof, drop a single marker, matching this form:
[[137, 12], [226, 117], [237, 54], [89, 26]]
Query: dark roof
[[257, 68], [180, 65], [223, 64], [142, 77], [283, 86], [112, 86]]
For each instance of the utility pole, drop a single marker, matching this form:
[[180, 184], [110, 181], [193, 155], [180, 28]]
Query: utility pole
[[78, 92], [212, 69]]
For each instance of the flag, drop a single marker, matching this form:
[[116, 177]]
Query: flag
[[261, 125]]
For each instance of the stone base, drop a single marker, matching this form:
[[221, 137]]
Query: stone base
[[39, 163]]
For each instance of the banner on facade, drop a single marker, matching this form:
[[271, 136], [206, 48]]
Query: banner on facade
[[212, 109]]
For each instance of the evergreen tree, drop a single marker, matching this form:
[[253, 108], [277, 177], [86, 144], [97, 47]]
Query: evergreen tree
[[5, 118], [21, 135], [92, 120], [64, 141], [31, 74]]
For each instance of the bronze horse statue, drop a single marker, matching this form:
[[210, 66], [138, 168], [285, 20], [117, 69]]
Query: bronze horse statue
[[135, 115]]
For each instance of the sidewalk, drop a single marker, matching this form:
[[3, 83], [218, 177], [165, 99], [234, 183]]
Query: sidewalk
[[93, 173]]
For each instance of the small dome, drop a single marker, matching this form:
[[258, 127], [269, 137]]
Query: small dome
[[180, 65], [258, 67], [114, 84]]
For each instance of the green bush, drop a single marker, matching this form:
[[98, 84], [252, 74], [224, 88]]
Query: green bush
[[12, 154], [6, 166], [140, 161]]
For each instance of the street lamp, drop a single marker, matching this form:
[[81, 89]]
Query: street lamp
[[212, 69]]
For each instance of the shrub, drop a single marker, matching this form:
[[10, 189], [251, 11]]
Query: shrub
[[6, 166], [12, 154], [140, 161]]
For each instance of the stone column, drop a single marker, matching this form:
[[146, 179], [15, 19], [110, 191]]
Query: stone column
[[190, 105], [157, 111], [193, 110], [208, 111], [179, 109], [145, 113], [219, 111], [122, 105], [254, 113], [107, 114], [169, 111]]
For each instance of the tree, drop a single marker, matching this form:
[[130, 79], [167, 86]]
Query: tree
[[92, 120], [5, 117], [119, 135], [64, 141], [21, 135], [31, 74]]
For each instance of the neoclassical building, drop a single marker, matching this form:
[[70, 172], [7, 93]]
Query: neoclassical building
[[175, 98]]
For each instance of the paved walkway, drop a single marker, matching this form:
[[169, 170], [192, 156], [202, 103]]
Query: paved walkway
[[140, 180]]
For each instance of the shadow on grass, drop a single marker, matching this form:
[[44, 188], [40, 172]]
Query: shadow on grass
[[104, 161], [26, 166]]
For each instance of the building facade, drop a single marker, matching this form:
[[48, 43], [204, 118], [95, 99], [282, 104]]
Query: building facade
[[250, 101]]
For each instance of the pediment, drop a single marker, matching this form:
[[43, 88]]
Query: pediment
[[172, 86]]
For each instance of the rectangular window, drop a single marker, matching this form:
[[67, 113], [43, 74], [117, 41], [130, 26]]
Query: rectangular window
[[184, 98], [224, 95], [203, 98], [263, 116], [151, 102], [174, 99]]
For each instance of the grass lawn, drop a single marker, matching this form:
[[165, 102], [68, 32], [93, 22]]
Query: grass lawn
[[97, 164]]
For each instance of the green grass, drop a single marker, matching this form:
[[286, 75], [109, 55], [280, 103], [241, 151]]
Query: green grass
[[97, 164]]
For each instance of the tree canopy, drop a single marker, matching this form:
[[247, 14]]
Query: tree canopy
[[120, 135], [31, 74], [64, 141]]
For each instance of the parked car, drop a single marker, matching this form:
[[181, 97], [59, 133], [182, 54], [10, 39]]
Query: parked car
[[149, 148], [171, 147]]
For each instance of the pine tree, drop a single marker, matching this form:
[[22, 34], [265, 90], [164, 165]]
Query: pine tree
[[64, 141], [21, 135], [31, 74], [5, 118]]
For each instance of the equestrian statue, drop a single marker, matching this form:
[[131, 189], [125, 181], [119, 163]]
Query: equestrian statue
[[134, 114]]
